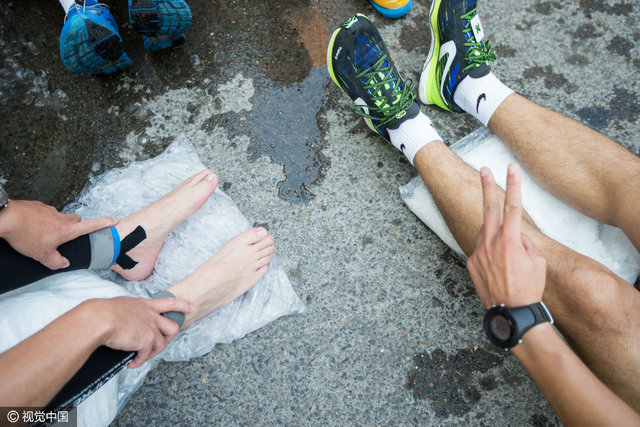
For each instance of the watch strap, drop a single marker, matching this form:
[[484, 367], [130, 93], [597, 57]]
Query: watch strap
[[528, 316]]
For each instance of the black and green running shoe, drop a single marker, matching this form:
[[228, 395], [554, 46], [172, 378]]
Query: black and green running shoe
[[457, 50], [360, 65]]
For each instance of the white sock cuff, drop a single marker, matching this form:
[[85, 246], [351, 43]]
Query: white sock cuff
[[481, 97], [414, 134], [66, 4]]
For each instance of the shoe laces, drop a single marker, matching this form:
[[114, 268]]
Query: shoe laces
[[94, 8], [476, 53], [381, 77]]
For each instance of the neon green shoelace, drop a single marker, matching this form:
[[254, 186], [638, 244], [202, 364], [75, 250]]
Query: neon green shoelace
[[476, 53], [387, 76]]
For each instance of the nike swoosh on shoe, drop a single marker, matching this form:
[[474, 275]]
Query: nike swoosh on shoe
[[449, 48]]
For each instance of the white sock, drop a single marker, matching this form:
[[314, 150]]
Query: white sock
[[481, 97], [414, 134], [66, 4]]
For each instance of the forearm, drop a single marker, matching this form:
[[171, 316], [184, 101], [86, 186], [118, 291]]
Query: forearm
[[576, 394], [32, 372]]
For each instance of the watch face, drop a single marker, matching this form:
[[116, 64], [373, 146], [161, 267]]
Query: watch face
[[500, 327]]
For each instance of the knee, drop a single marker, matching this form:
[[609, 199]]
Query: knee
[[605, 301]]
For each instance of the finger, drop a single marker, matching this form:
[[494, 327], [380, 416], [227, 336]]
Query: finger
[[141, 357], [162, 305], [490, 202], [91, 225], [168, 329], [513, 204], [55, 261], [159, 344]]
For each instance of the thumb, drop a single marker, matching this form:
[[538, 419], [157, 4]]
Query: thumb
[[55, 261], [90, 225]]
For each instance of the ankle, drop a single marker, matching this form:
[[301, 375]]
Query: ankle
[[413, 134], [480, 97]]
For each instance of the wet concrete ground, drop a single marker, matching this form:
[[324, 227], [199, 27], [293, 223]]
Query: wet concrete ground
[[392, 332]]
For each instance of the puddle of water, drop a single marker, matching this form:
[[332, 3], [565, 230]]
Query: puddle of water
[[283, 126]]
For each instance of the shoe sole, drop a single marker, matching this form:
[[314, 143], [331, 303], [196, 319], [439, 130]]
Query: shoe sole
[[100, 49], [145, 15], [428, 88], [393, 13], [333, 76]]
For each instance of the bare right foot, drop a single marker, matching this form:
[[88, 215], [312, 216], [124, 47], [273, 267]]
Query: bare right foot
[[228, 274], [160, 218]]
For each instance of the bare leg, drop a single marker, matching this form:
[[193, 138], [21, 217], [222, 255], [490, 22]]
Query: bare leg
[[594, 309], [160, 218], [227, 275], [576, 164]]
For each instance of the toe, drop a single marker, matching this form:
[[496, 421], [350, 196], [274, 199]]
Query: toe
[[268, 251], [263, 243]]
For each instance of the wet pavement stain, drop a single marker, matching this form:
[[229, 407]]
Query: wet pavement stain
[[283, 126], [621, 46], [595, 117], [624, 105], [552, 80], [284, 121], [449, 382], [590, 6]]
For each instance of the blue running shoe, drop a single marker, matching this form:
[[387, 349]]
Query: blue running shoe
[[458, 49], [90, 41], [360, 65], [161, 22]]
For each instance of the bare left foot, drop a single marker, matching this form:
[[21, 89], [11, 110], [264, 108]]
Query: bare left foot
[[228, 274], [160, 218]]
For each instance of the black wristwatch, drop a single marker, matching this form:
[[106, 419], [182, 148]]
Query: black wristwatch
[[505, 326], [4, 199]]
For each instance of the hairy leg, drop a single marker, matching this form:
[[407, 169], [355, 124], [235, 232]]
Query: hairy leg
[[160, 218], [576, 164], [227, 275], [594, 309]]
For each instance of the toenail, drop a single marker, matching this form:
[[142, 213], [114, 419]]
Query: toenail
[[210, 177], [261, 232]]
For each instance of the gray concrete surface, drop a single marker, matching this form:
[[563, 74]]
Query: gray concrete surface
[[392, 332]]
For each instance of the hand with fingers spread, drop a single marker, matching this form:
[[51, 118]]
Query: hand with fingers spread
[[135, 324], [36, 230], [505, 267]]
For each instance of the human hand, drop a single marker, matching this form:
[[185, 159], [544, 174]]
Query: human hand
[[505, 267], [136, 324], [36, 230]]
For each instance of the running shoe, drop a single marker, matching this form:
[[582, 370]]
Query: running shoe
[[360, 65], [392, 8], [161, 22], [457, 50], [90, 41]]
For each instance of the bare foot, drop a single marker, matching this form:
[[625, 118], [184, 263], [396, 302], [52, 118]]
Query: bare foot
[[228, 274], [160, 218]]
